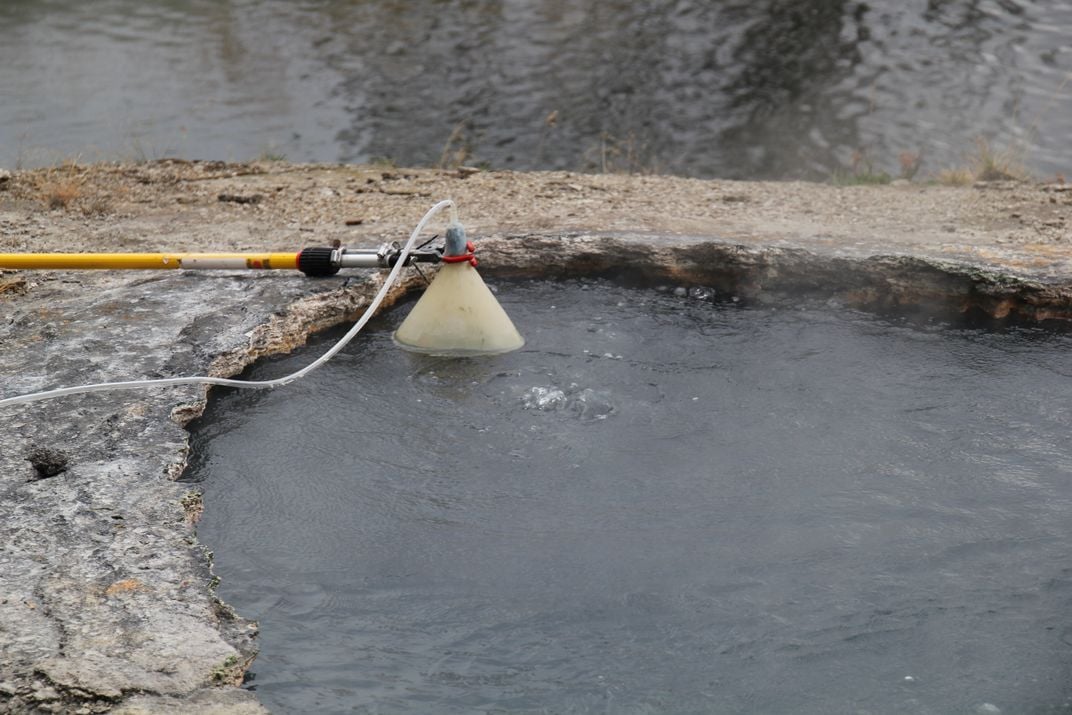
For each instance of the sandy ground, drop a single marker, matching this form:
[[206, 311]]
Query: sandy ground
[[176, 205]]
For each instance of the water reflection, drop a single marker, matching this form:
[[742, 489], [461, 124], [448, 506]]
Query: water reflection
[[775, 88]]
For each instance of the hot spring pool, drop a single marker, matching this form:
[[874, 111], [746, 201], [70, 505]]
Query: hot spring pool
[[662, 504]]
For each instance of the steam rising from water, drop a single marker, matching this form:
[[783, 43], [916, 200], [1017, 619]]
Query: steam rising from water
[[774, 510]]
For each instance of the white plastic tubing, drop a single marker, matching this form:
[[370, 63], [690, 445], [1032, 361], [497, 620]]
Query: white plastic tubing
[[257, 384]]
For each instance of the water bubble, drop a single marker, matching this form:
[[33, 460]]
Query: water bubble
[[429, 378], [681, 291], [987, 709], [702, 293], [589, 405], [662, 289], [545, 399], [586, 404]]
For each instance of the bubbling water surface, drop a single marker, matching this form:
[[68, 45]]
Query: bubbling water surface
[[663, 503]]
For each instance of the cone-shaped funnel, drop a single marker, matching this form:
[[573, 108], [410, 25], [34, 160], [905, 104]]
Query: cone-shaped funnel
[[458, 315]]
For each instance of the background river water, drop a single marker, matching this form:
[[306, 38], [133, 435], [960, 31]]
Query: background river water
[[659, 505], [729, 88]]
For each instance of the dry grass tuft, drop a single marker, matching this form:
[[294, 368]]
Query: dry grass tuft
[[990, 164], [454, 156], [620, 155], [956, 177], [910, 163], [67, 187], [861, 172], [60, 194], [61, 186], [986, 164]]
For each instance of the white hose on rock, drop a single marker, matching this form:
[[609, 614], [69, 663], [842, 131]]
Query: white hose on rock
[[392, 277]]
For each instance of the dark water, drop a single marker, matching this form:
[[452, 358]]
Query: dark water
[[733, 88], [660, 505]]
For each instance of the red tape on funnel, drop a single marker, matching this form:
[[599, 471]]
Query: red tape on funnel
[[470, 256]]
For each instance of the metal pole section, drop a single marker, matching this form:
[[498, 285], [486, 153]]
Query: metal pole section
[[360, 258]]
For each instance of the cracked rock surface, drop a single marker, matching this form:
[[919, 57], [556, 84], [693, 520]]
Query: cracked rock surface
[[106, 598]]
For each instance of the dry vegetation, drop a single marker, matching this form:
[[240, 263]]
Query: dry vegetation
[[177, 205], [68, 187], [984, 163]]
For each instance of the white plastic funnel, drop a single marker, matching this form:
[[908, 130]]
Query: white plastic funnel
[[458, 315]]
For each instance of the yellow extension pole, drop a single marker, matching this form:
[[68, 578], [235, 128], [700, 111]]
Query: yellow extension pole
[[147, 261]]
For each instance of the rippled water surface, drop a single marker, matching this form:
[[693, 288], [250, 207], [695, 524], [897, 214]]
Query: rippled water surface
[[731, 88], [660, 505]]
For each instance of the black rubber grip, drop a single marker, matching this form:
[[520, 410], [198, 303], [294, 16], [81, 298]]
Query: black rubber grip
[[316, 262]]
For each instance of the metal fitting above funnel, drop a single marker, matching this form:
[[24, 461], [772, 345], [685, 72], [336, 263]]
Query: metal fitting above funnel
[[458, 315]]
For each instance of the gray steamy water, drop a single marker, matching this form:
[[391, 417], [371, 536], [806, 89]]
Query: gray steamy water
[[662, 504], [726, 88]]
